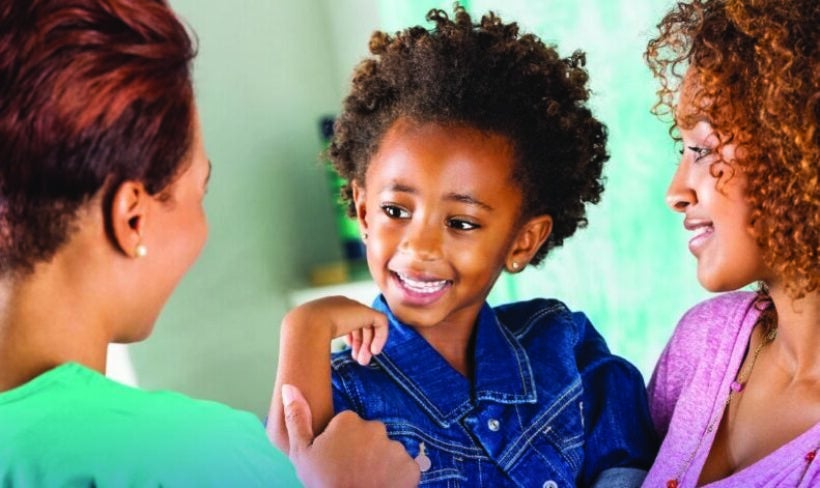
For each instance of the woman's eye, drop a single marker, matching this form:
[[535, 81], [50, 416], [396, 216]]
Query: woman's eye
[[395, 212], [700, 152], [460, 224]]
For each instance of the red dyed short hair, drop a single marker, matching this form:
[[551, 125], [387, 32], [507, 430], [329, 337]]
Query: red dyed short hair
[[92, 93]]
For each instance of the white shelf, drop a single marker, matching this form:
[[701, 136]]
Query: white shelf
[[361, 291]]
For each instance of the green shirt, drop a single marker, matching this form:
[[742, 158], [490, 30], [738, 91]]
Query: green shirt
[[72, 426]]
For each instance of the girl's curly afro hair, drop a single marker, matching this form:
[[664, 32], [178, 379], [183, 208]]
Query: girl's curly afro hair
[[490, 77], [755, 63]]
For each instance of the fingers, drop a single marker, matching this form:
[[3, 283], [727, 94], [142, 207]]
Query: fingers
[[355, 340], [298, 419], [405, 471], [385, 461], [364, 350], [364, 430], [380, 328], [369, 341], [357, 452], [366, 329]]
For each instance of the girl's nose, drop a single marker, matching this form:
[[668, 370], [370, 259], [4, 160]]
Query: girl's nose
[[423, 241]]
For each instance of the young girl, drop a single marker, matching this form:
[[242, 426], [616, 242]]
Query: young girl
[[736, 393], [470, 151]]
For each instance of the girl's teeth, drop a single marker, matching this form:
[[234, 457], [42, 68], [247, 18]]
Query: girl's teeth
[[422, 286]]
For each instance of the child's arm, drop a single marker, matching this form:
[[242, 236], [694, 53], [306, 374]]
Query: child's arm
[[304, 355], [620, 442]]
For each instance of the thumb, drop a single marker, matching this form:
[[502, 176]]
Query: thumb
[[298, 419]]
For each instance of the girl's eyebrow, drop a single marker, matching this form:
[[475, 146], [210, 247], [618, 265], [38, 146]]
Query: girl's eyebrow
[[468, 199], [401, 188], [453, 197]]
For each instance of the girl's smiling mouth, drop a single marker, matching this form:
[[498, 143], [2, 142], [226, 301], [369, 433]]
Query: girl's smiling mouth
[[420, 291]]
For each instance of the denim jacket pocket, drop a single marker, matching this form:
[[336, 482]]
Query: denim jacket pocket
[[440, 461], [550, 450], [566, 433]]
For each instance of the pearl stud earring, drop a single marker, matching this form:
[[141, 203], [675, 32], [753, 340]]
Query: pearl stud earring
[[140, 251]]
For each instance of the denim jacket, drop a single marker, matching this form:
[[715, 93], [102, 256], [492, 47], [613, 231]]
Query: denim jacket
[[549, 405]]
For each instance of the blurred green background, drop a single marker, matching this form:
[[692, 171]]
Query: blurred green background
[[267, 70]]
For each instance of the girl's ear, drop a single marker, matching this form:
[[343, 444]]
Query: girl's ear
[[128, 214], [530, 237], [360, 200]]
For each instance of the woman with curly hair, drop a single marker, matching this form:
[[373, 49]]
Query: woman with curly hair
[[103, 173], [736, 393], [469, 151]]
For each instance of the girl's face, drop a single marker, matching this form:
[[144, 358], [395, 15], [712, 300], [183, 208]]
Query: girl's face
[[715, 209], [442, 218]]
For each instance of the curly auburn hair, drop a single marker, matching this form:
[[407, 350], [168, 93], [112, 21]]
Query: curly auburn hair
[[755, 64], [92, 93], [490, 77]]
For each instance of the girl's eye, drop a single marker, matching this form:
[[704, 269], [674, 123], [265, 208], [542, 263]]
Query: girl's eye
[[460, 224], [395, 212], [700, 152]]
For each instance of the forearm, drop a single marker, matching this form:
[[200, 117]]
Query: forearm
[[619, 431], [304, 361]]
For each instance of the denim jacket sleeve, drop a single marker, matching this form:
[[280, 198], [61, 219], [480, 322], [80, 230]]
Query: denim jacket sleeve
[[620, 438]]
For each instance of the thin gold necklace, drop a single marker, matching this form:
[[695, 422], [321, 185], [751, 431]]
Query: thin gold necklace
[[736, 387]]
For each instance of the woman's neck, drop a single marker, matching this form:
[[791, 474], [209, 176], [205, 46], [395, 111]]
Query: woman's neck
[[42, 325], [798, 332]]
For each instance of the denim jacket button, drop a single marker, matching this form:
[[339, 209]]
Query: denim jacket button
[[550, 484], [493, 425]]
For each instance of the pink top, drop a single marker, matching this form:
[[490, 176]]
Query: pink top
[[689, 389]]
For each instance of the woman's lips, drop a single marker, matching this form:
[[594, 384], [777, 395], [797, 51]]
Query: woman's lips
[[703, 232]]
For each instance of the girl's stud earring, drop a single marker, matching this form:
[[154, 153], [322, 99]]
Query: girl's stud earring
[[140, 251], [515, 265]]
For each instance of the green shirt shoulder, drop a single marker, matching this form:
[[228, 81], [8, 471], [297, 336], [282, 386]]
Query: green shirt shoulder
[[74, 427]]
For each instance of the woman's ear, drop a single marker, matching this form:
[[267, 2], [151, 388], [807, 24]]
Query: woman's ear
[[360, 203], [128, 214], [529, 240]]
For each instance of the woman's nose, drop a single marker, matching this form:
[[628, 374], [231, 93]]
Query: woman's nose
[[680, 193]]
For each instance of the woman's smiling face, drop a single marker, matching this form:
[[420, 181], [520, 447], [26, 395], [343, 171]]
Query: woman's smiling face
[[711, 195], [441, 213]]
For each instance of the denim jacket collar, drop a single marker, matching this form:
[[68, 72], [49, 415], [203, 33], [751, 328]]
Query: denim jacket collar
[[502, 368]]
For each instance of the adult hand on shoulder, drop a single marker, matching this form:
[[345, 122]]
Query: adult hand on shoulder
[[351, 452]]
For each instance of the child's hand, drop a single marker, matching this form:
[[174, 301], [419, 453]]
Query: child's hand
[[362, 346], [304, 355], [365, 328]]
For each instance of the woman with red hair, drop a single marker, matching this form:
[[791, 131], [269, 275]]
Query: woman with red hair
[[102, 177], [736, 393]]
